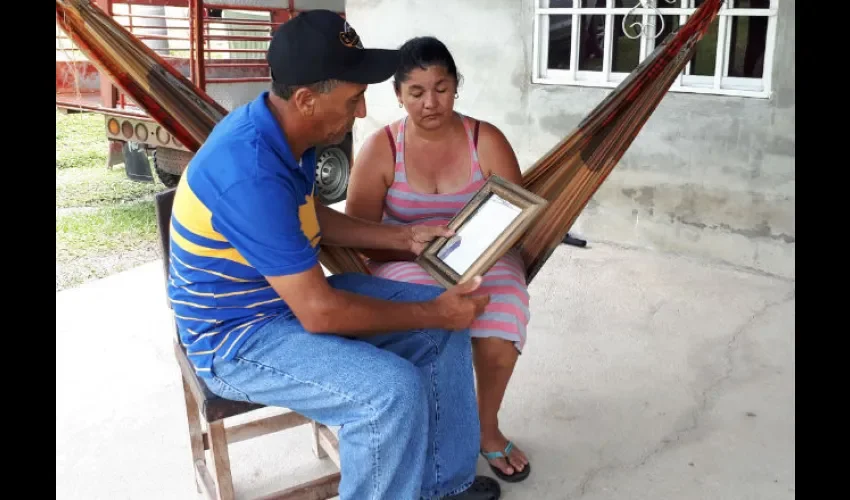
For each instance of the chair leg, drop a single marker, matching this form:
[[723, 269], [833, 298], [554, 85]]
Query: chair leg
[[221, 460], [196, 433], [317, 447]]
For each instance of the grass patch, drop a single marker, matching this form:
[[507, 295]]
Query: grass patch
[[105, 222], [97, 242], [82, 179], [80, 140], [95, 187], [105, 229]]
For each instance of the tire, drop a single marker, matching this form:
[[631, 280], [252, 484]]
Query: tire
[[169, 165], [333, 170]]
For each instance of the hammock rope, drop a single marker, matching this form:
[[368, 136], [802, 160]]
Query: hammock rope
[[567, 175]]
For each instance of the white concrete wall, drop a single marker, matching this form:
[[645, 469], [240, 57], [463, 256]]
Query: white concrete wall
[[233, 95], [708, 175]]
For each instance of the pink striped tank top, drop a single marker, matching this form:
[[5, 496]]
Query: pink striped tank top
[[507, 315]]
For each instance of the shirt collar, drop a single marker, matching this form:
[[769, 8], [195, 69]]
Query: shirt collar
[[271, 132]]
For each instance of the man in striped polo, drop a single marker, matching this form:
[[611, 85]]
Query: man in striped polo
[[389, 362]]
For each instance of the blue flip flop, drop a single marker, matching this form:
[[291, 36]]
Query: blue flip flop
[[517, 476]]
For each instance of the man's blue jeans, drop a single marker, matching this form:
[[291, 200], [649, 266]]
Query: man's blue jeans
[[405, 401]]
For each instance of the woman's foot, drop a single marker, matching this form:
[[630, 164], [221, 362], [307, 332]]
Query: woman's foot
[[505, 459]]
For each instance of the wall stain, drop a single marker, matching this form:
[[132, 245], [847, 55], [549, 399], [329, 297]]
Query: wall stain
[[514, 118], [779, 145], [645, 198], [555, 123]]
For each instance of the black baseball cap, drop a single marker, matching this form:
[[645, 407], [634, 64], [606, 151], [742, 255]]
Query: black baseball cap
[[320, 45]]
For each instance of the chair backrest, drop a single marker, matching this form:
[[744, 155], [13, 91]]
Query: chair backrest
[[163, 202]]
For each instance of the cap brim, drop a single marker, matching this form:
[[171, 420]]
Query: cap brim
[[374, 66]]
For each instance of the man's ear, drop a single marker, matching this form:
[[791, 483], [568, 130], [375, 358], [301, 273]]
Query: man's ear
[[305, 101]]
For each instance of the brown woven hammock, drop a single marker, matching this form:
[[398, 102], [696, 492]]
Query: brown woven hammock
[[567, 175]]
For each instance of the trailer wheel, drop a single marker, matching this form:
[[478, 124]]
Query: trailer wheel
[[168, 180], [333, 168], [169, 165]]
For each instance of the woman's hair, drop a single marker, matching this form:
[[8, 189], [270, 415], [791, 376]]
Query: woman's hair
[[422, 52]]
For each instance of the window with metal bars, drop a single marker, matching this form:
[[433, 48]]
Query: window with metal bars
[[599, 42]]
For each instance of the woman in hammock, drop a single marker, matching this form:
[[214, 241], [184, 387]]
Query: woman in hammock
[[423, 169]]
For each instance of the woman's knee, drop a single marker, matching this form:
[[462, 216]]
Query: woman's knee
[[496, 352]]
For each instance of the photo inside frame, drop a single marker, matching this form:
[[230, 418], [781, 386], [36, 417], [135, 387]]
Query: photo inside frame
[[478, 233]]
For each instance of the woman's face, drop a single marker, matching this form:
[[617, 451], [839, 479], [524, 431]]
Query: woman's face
[[428, 96]]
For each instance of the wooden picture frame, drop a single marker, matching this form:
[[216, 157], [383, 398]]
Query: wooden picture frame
[[507, 210]]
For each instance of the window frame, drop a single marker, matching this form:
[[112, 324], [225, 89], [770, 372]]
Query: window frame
[[719, 84]]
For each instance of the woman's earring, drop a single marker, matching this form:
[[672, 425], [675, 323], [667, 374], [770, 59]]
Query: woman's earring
[[400, 105], [456, 95]]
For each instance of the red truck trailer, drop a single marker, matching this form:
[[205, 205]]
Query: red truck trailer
[[220, 46]]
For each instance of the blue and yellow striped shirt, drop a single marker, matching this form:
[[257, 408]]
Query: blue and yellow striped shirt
[[243, 210]]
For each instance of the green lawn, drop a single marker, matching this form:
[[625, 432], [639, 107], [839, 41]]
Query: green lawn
[[105, 223], [120, 228]]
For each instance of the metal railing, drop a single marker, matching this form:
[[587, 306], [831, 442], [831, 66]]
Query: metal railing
[[209, 44]]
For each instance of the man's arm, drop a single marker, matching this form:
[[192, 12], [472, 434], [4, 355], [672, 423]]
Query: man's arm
[[326, 310], [263, 221], [406, 242], [339, 229]]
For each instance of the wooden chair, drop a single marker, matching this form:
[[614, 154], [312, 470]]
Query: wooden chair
[[207, 413]]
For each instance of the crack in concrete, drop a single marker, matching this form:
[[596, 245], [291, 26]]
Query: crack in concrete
[[667, 444], [763, 230]]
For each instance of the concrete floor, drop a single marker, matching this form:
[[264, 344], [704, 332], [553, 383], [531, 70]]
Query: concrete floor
[[646, 376]]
